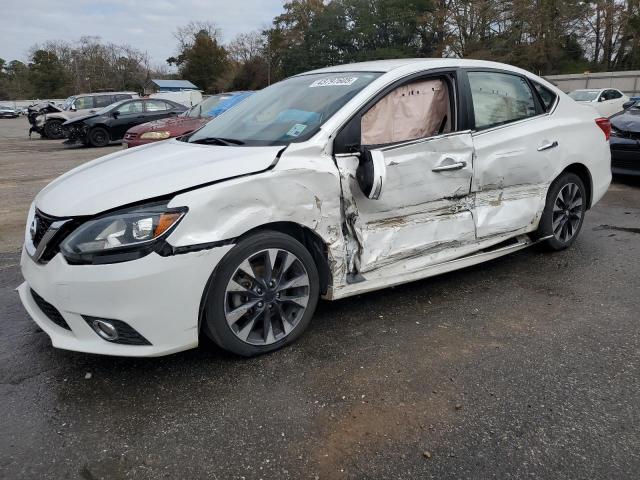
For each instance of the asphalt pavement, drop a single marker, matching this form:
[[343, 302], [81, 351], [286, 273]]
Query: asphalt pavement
[[524, 367]]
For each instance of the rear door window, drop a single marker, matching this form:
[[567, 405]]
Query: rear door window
[[500, 98], [103, 100], [156, 106], [613, 94]]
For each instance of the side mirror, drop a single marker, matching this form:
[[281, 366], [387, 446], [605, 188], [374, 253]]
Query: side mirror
[[601, 99], [628, 104], [115, 114], [371, 173], [73, 107]]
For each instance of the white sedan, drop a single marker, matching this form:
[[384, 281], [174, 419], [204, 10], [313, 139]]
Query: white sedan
[[329, 184], [607, 101]]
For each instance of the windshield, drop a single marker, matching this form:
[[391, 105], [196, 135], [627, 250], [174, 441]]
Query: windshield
[[205, 106], [289, 111], [584, 95], [67, 103]]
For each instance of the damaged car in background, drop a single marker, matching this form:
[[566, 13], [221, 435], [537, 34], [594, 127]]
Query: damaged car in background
[[328, 184], [47, 118], [191, 120], [110, 123], [625, 140]]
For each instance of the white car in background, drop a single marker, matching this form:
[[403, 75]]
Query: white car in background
[[607, 101], [329, 184]]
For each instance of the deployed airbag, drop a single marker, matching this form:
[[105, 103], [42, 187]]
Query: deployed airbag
[[416, 110]]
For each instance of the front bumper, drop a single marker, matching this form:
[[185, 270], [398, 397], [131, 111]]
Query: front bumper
[[75, 132], [159, 297]]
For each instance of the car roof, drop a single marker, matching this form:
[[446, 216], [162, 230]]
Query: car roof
[[384, 66], [102, 93]]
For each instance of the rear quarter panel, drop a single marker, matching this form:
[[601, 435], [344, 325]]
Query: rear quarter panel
[[580, 140]]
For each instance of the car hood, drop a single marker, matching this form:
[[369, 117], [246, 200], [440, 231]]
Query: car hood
[[175, 125], [146, 172], [627, 121], [76, 118]]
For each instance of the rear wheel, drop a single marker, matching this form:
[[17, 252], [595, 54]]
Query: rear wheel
[[98, 137], [564, 212], [53, 129], [263, 294]]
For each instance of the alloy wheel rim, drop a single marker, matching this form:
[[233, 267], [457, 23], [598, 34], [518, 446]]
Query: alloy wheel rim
[[99, 137], [567, 212], [266, 296], [55, 128]]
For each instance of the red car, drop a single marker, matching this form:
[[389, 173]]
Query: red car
[[191, 120]]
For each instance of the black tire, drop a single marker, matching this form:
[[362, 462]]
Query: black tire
[[215, 324], [53, 129], [563, 232], [98, 137]]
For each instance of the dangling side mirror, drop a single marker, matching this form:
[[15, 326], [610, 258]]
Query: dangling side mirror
[[628, 104], [371, 173]]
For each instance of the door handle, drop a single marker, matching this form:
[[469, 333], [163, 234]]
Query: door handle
[[449, 166], [547, 146]]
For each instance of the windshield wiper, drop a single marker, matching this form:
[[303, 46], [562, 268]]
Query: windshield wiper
[[219, 141]]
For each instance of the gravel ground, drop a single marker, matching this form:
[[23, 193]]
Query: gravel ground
[[523, 367]]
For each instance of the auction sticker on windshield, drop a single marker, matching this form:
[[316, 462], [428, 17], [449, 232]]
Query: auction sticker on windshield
[[296, 130], [333, 82]]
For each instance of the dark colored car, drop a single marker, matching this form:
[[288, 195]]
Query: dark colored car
[[110, 123], [625, 141], [189, 121]]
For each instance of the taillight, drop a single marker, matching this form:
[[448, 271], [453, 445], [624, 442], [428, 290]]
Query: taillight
[[605, 126]]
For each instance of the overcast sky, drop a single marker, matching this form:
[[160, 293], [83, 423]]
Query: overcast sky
[[145, 24]]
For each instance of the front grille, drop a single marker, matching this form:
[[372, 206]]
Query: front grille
[[50, 311], [42, 224], [127, 335]]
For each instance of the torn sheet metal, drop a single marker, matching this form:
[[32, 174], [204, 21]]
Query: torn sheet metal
[[309, 197], [419, 210], [510, 209]]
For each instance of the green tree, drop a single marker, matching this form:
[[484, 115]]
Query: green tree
[[47, 75], [202, 60]]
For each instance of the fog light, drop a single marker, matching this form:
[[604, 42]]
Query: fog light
[[105, 329]]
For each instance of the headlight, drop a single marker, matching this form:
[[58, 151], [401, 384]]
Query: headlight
[[120, 236], [155, 135]]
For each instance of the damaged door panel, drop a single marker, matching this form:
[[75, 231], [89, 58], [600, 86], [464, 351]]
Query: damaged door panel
[[423, 206], [515, 145]]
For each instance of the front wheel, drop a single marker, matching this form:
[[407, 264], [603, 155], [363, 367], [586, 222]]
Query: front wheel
[[564, 212], [98, 137], [263, 294], [53, 129]]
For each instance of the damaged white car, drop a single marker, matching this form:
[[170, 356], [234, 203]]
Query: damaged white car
[[328, 184]]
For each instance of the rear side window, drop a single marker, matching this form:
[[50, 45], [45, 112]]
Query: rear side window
[[500, 98], [103, 100], [157, 106], [547, 97]]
